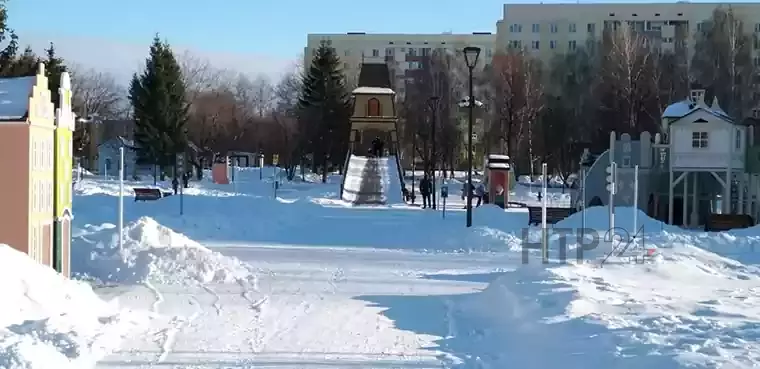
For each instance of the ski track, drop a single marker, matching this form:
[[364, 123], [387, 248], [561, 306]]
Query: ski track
[[178, 324], [216, 302], [158, 295]]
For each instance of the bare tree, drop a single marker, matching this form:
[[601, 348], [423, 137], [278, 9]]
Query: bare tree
[[200, 76], [722, 61], [263, 95], [96, 92], [508, 99], [625, 71], [286, 93]]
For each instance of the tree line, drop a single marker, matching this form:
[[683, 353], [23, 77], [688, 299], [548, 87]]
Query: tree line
[[550, 112], [533, 111]]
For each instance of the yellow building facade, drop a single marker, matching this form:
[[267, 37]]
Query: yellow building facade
[[63, 166]]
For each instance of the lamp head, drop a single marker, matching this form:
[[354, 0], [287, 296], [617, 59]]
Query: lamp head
[[471, 54]]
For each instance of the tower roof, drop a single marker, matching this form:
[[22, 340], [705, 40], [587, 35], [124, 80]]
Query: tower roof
[[374, 75]]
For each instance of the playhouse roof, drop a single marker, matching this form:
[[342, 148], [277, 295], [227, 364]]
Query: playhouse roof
[[14, 97], [683, 108]]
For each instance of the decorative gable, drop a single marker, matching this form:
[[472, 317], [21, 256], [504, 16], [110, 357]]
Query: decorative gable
[[373, 102], [64, 114]]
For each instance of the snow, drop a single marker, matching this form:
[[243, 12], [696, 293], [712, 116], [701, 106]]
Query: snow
[[51, 322], [373, 91], [246, 277], [150, 253], [15, 93]]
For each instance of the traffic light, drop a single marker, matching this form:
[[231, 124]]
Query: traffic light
[[612, 178]]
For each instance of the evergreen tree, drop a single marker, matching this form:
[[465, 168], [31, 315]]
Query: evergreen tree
[[160, 107], [54, 67], [324, 108]]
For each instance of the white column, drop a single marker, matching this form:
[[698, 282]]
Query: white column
[[695, 201], [121, 198], [740, 189], [729, 172], [685, 200], [670, 195]]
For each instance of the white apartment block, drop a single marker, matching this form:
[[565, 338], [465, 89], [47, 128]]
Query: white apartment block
[[545, 29], [403, 52]]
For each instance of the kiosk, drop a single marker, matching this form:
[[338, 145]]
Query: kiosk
[[499, 180]]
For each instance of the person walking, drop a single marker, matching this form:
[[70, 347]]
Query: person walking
[[426, 189], [480, 191]]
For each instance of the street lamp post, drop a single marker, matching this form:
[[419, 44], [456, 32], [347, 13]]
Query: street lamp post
[[471, 54], [414, 153], [433, 104]]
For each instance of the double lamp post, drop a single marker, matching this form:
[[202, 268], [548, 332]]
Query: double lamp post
[[471, 54]]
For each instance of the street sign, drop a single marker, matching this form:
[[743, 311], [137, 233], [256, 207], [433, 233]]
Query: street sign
[[444, 191]]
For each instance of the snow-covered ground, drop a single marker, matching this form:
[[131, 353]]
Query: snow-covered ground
[[236, 276]]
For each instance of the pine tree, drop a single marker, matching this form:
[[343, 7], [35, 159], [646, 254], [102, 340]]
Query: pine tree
[[324, 108], [54, 67], [160, 107]]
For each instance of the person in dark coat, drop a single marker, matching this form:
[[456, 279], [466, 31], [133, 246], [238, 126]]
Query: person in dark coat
[[380, 145], [426, 189], [376, 146]]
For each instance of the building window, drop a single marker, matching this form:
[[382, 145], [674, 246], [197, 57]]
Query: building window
[[534, 45], [757, 27], [573, 28], [591, 28], [347, 53], [412, 52], [738, 139], [536, 28], [572, 45], [375, 52], [552, 44], [515, 28], [389, 51], [373, 107], [699, 140], [626, 161], [515, 44], [553, 28]]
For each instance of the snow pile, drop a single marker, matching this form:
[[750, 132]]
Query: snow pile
[[687, 307], [151, 253], [49, 321]]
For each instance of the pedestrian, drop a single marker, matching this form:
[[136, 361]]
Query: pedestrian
[[380, 145], [426, 189], [175, 184], [480, 191]]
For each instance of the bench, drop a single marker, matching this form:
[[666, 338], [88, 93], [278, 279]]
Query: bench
[[148, 194], [553, 215], [725, 222]]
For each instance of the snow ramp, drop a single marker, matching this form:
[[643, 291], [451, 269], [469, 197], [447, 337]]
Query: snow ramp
[[371, 180]]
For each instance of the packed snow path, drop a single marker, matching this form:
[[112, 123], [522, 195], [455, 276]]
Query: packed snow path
[[309, 308]]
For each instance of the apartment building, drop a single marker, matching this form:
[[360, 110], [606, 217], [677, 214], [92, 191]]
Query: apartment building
[[546, 29], [402, 52]]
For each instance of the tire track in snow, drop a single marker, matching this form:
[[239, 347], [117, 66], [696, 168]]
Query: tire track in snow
[[257, 341], [217, 306], [169, 335], [159, 297]]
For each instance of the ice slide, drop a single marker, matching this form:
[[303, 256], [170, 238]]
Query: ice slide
[[372, 181]]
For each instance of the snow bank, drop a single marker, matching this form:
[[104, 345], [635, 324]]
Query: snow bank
[[152, 253], [49, 321]]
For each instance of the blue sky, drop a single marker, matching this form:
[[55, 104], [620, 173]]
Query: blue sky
[[240, 29]]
